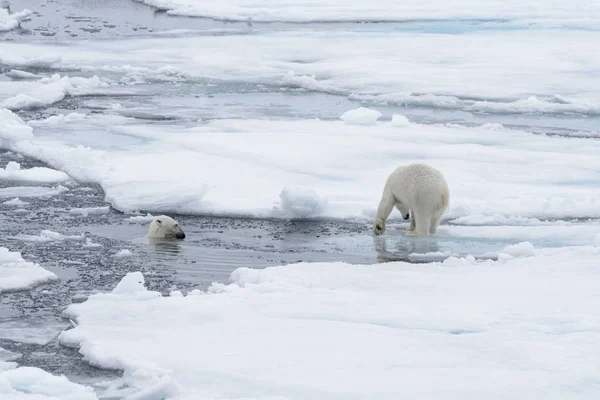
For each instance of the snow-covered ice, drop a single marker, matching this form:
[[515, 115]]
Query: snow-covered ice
[[309, 331], [18, 274], [539, 11], [28, 383], [13, 172], [541, 71], [52, 90], [241, 167]]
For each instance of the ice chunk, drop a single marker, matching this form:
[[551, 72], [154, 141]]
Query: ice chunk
[[47, 236], [10, 21], [31, 191], [89, 211], [13, 172], [132, 283], [301, 202], [28, 383], [361, 116], [53, 90], [141, 218], [18, 74], [12, 128], [89, 244], [17, 274], [124, 253], [520, 249], [400, 121], [15, 202]]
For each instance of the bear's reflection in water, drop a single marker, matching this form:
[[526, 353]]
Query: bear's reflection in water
[[165, 246], [409, 249]]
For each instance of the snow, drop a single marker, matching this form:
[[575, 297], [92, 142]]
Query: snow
[[124, 253], [89, 211], [18, 274], [307, 330], [538, 11], [10, 21], [28, 383], [13, 172], [360, 116], [47, 236]]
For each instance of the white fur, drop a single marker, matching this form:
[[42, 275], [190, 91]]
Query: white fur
[[163, 227], [419, 188]]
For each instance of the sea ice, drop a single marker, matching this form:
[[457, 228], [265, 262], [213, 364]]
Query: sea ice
[[124, 253], [89, 211], [18, 274], [301, 203], [400, 121], [553, 12], [31, 191], [28, 383], [52, 90], [308, 331], [361, 116], [15, 202], [47, 236], [240, 167], [10, 21], [13, 172]]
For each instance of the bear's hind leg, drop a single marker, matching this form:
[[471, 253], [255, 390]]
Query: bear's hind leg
[[411, 227], [421, 224], [434, 224]]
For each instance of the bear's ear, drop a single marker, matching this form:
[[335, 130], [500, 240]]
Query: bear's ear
[[159, 221]]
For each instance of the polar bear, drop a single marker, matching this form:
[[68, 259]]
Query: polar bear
[[163, 227], [417, 188]]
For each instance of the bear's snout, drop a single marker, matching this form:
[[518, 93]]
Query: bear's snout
[[407, 216], [180, 235]]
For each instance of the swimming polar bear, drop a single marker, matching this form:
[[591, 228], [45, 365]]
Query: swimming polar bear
[[417, 188], [163, 227]]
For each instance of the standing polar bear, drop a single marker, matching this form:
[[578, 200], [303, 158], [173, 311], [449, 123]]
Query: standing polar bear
[[163, 227], [419, 188]]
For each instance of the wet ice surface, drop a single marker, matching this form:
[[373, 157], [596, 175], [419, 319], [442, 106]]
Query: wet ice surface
[[215, 246]]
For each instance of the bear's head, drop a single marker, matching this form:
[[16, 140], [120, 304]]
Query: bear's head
[[163, 227]]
